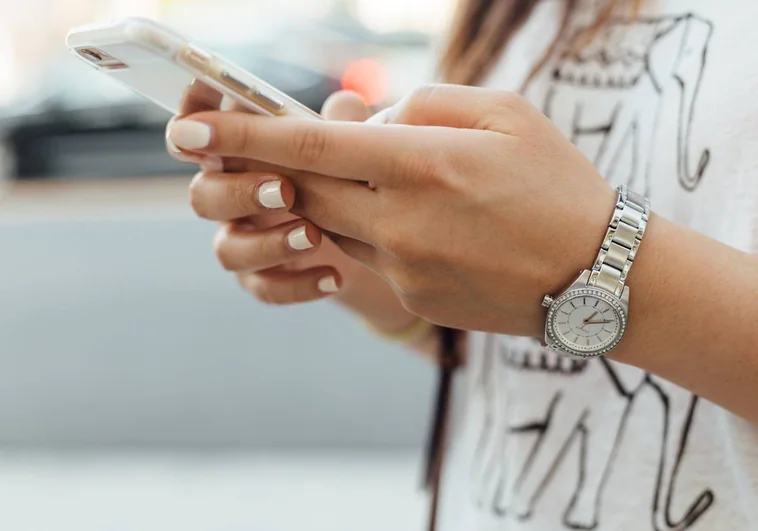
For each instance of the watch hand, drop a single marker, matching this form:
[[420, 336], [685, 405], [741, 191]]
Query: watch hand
[[588, 319], [597, 322]]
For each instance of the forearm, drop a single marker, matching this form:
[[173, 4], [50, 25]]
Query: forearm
[[693, 316], [372, 299]]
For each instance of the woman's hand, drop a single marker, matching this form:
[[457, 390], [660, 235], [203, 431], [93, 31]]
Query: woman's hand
[[278, 257], [478, 206]]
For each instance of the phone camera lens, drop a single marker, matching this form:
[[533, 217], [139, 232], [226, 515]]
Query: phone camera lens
[[92, 55]]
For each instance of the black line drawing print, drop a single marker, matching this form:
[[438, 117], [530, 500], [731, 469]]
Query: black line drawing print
[[600, 92], [570, 417], [610, 82]]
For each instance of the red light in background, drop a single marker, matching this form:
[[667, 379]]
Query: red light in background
[[366, 78]]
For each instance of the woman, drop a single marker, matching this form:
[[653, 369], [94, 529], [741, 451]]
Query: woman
[[478, 205]]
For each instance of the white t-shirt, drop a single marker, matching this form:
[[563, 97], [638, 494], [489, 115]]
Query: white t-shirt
[[668, 104]]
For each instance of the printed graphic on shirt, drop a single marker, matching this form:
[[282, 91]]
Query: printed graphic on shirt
[[608, 88], [606, 92], [572, 424]]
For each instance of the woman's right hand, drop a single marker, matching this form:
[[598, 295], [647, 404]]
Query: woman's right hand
[[278, 257]]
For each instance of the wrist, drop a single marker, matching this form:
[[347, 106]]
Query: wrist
[[644, 281], [589, 318]]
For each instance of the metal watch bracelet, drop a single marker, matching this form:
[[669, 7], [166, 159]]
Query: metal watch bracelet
[[621, 242]]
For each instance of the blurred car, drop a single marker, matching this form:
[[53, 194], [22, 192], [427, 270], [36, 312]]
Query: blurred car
[[81, 124]]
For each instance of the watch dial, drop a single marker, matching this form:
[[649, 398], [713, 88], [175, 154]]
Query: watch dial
[[587, 323]]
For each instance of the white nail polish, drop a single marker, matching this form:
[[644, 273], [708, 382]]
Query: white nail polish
[[213, 164], [171, 147], [298, 239], [270, 195], [328, 285], [178, 154], [188, 134]]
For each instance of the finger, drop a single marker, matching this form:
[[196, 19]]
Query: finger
[[177, 153], [344, 207], [289, 287], [199, 97], [360, 251], [460, 107], [340, 206], [208, 162], [240, 246], [355, 151], [382, 117], [227, 196], [241, 165], [345, 106]]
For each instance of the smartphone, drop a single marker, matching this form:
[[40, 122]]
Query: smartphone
[[178, 75]]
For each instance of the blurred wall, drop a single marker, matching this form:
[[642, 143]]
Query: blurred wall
[[126, 332]]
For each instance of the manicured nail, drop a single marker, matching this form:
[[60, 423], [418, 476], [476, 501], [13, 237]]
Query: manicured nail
[[270, 195], [298, 239], [188, 134], [328, 285], [179, 154], [213, 164]]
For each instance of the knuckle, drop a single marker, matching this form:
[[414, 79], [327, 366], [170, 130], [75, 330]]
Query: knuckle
[[414, 107], [301, 292], [515, 112], [242, 135], [272, 250], [417, 166], [221, 249], [419, 97], [241, 195], [264, 291], [454, 175], [309, 144], [510, 101], [197, 196]]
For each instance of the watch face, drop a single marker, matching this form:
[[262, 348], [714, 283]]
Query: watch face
[[586, 322]]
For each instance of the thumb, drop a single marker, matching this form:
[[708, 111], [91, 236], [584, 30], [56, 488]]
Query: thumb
[[345, 107]]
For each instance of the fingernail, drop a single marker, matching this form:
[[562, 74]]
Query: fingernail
[[270, 195], [328, 285], [188, 134], [213, 164], [298, 239], [178, 154]]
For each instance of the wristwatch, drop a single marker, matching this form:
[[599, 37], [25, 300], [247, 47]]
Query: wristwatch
[[589, 318]]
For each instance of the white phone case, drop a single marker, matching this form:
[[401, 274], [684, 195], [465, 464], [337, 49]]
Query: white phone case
[[179, 76]]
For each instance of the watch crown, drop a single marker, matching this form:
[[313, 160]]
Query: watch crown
[[547, 301]]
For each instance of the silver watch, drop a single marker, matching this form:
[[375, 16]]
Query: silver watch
[[589, 318]]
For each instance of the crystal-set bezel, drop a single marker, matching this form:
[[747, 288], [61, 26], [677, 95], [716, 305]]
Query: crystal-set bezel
[[553, 338]]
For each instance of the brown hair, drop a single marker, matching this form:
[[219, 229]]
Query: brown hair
[[482, 30]]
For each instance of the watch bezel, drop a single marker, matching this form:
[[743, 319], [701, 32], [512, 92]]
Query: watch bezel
[[554, 340]]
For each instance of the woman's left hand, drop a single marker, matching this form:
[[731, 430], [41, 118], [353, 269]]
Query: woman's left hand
[[478, 205]]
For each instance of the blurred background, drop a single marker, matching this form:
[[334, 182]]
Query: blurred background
[[140, 389]]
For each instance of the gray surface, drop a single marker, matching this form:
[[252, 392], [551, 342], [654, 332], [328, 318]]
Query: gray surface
[[158, 491], [128, 333]]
